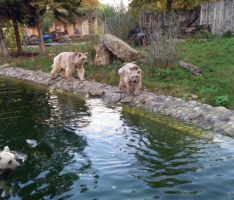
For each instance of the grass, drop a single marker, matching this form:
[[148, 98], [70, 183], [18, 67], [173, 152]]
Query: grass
[[214, 56], [216, 85]]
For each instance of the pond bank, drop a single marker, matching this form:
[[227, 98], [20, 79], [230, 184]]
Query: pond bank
[[192, 112]]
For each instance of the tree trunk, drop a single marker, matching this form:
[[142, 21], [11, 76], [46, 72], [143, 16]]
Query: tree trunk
[[169, 5], [39, 29], [17, 37], [3, 45]]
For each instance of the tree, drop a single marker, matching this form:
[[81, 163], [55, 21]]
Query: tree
[[169, 5], [37, 9], [3, 45], [90, 4], [13, 10], [105, 11], [163, 5], [121, 9]]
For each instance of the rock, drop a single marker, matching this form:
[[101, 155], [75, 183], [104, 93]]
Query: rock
[[103, 55], [120, 48], [96, 92], [223, 117], [221, 109], [232, 118], [51, 54], [111, 96], [32, 143], [127, 99], [5, 65], [192, 116], [193, 96]]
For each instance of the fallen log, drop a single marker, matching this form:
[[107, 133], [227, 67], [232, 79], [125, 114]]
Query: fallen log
[[190, 67]]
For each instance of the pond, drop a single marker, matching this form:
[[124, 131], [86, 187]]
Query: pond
[[84, 149]]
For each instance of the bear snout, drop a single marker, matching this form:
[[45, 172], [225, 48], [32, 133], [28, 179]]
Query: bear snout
[[18, 165]]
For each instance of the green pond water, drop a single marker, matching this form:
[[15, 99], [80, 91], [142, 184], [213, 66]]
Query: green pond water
[[76, 149]]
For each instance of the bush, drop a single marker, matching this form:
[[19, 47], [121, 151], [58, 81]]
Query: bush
[[221, 100], [228, 34], [204, 35], [164, 73], [163, 43]]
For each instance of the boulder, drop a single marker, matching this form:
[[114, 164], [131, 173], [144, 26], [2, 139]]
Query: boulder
[[103, 55], [120, 48], [96, 92], [5, 65]]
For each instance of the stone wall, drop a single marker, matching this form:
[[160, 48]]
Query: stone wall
[[191, 112]]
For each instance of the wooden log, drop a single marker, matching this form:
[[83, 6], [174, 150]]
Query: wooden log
[[190, 67]]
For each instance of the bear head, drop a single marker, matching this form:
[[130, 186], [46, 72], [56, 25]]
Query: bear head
[[134, 74], [80, 58], [8, 160]]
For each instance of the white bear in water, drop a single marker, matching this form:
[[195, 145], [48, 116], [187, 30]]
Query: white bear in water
[[8, 161]]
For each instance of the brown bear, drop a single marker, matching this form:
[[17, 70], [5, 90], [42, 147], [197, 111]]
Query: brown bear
[[67, 62]]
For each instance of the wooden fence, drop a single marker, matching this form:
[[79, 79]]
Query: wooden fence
[[220, 15]]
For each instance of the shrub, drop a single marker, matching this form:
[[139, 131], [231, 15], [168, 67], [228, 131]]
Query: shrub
[[228, 34], [164, 73], [221, 100], [204, 35], [163, 43]]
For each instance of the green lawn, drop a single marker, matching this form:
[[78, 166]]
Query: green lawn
[[215, 57]]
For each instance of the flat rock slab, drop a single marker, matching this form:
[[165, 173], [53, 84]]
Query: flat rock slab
[[120, 48], [202, 115]]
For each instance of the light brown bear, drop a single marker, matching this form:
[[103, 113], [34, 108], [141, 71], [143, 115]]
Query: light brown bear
[[130, 77], [67, 62], [8, 161]]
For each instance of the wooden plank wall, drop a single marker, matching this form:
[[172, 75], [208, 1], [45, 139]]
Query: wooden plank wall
[[220, 15], [150, 18]]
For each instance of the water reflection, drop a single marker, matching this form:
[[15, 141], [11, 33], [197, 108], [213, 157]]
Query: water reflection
[[67, 111], [58, 159], [162, 153], [88, 150]]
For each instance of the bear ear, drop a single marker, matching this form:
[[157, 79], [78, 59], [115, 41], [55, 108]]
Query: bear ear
[[6, 148], [86, 53]]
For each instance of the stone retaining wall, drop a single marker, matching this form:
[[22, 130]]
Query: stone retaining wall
[[202, 115]]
